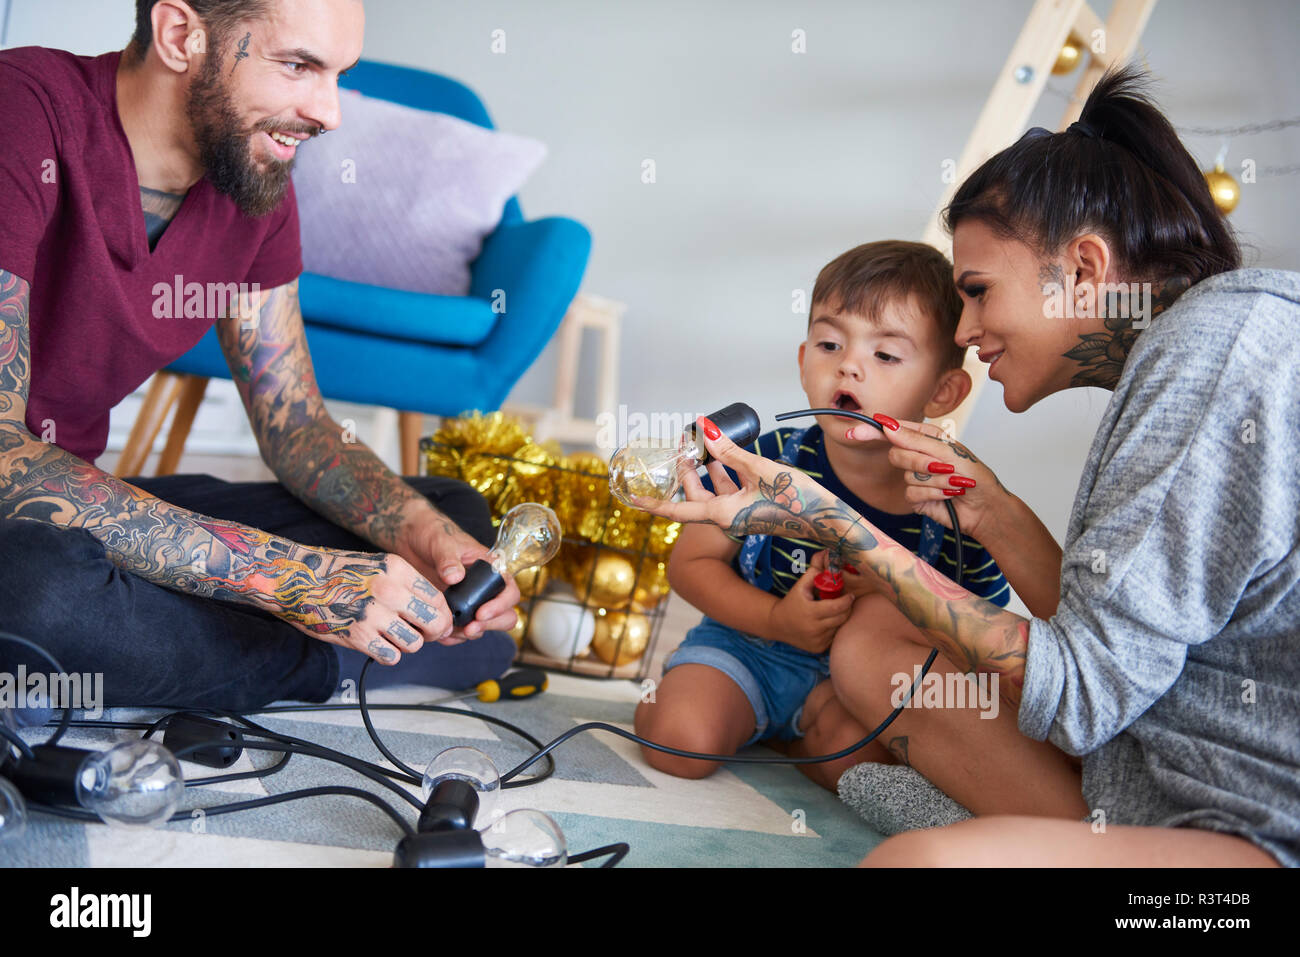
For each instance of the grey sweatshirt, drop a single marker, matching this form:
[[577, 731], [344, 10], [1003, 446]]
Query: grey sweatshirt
[[1173, 660]]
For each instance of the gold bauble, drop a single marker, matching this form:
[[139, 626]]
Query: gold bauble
[[1069, 57], [521, 626], [621, 637], [613, 580], [531, 581], [1224, 189], [651, 586]]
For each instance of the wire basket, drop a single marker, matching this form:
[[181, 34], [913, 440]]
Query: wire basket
[[597, 608]]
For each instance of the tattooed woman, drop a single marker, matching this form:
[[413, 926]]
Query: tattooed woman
[[1163, 659]]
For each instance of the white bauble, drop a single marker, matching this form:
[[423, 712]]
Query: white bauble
[[561, 629]]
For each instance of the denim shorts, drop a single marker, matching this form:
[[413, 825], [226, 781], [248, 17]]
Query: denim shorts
[[775, 677]]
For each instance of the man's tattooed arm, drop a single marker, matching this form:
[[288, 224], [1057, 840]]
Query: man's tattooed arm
[[316, 459], [974, 634], [323, 591]]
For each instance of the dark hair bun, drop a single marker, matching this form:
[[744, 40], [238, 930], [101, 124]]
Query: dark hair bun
[[1133, 181]]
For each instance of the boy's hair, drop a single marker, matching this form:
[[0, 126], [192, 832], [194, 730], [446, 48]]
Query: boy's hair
[[866, 277]]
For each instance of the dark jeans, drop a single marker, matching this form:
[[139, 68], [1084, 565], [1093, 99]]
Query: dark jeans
[[155, 646]]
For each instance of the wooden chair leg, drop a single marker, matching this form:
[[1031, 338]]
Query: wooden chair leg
[[409, 425], [192, 389], [163, 392]]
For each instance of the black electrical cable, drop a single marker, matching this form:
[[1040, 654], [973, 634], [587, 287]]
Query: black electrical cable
[[616, 853], [863, 417], [80, 814], [66, 716], [419, 778], [13, 738]]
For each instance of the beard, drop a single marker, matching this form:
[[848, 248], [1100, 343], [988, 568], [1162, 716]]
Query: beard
[[226, 147]]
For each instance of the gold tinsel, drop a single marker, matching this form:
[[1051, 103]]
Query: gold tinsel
[[494, 453]]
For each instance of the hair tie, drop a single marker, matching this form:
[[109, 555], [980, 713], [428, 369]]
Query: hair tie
[[1078, 126]]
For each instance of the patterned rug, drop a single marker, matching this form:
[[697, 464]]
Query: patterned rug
[[602, 792]]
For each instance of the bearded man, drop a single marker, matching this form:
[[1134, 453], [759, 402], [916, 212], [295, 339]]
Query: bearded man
[[156, 167]]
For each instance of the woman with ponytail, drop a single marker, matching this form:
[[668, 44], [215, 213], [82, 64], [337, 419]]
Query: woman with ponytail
[[1150, 708]]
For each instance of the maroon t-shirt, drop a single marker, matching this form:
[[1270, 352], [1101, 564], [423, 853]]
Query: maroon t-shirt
[[72, 225]]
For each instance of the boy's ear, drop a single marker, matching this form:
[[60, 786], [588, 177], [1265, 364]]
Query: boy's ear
[[953, 387], [802, 347]]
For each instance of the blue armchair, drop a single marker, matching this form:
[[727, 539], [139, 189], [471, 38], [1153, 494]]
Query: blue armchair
[[420, 354]]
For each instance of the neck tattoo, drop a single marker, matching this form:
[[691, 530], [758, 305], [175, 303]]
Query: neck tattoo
[[1125, 311]]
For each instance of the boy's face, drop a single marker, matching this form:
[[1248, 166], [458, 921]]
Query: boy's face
[[892, 365]]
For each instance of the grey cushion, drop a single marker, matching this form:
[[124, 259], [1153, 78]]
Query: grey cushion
[[403, 198]]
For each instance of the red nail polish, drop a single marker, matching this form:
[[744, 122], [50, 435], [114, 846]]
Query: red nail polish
[[940, 468], [954, 491], [886, 421], [960, 481], [711, 430], [848, 433]]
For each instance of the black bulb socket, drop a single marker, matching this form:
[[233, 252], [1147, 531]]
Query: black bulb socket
[[222, 743], [738, 422], [441, 849], [480, 585], [49, 776], [451, 807]]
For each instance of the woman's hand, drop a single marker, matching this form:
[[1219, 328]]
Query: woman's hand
[[938, 470], [772, 498]]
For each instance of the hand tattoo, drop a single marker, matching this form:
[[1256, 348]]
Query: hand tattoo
[[420, 610], [404, 632]]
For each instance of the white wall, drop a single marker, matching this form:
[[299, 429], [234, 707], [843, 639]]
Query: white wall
[[770, 163]]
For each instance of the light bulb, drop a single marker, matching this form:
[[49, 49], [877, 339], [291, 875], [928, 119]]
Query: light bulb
[[524, 838], [136, 784], [529, 535], [654, 471], [13, 812], [474, 768]]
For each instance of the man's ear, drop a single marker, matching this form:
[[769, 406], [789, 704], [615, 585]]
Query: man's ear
[[949, 392], [180, 40]]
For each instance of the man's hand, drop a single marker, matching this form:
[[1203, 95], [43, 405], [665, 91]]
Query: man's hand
[[377, 604], [800, 619], [441, 551]]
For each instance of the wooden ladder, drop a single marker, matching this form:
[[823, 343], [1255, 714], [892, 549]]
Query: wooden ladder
[[1015, 94]]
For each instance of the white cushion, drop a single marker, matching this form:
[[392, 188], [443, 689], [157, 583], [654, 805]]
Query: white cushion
[[403, 198]]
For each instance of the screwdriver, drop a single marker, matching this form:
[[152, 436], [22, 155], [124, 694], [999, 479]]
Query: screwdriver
[[523, 683]]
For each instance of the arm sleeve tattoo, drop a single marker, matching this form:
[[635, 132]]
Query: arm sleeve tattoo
[[975, 634], [144, 535], [339, 477]]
